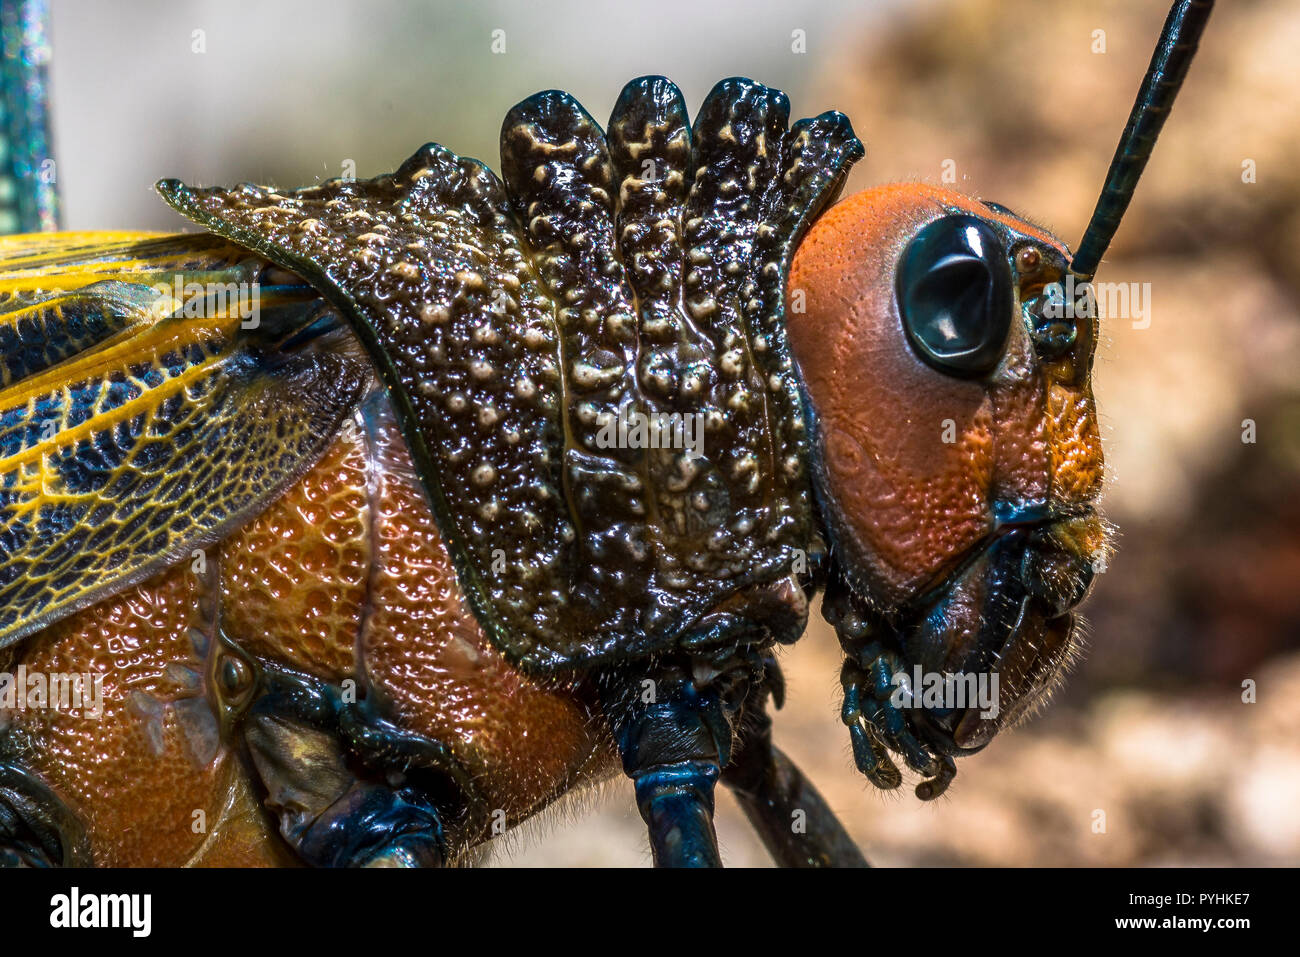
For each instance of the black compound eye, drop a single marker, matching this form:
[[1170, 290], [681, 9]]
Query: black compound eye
[[954, 291]]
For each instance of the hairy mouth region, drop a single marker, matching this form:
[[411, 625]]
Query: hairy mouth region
[[1004, 608], [1008, 521]]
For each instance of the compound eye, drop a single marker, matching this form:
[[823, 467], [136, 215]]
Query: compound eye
[[954, 292]]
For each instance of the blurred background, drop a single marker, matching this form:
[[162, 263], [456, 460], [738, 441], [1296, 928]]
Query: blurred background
[[1026, 99]]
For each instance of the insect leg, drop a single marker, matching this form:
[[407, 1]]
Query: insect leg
[[791, 817], [36, 828], [331, 812], [674, 739]]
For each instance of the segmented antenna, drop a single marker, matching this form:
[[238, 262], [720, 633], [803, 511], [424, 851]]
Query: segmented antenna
[[1173, 55], [28, 195]]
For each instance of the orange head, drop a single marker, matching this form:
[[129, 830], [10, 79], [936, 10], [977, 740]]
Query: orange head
[[945, 356], [958, 461]]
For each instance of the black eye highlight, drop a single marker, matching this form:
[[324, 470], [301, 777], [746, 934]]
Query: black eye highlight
[[954, 292]]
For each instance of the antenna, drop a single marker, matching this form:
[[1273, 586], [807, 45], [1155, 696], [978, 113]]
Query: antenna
[[1169, 63]]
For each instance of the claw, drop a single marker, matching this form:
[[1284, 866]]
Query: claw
[[877, 726], [918, 757], [929, 790], [872, 759]]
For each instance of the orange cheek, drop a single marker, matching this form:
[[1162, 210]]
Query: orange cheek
[[1019, 403], [908, 512], [1077, 463]]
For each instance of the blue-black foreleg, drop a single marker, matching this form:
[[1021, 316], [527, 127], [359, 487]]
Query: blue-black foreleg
[[674, 739], [348, 789], [795, 823]]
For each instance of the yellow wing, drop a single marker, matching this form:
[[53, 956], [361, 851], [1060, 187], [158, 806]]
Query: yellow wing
[[155, 392]]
